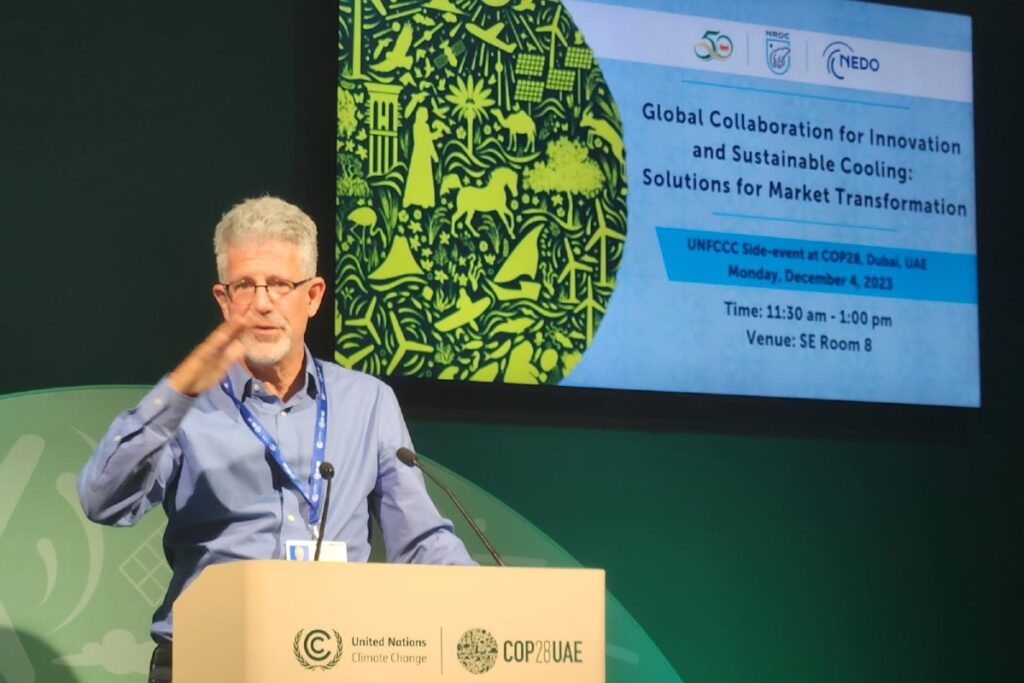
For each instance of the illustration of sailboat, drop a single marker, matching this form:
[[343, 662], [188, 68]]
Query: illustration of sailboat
[[516, 277]]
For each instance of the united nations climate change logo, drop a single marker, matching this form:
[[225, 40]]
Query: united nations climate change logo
[[477, 650], [481, 190], [317, 649]]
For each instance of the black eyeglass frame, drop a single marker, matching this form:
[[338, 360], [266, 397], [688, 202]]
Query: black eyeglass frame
[[273, 297]]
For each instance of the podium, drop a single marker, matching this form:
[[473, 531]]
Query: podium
[[273, 621]]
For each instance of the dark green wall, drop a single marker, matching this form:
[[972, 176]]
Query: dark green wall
[[128, 128]]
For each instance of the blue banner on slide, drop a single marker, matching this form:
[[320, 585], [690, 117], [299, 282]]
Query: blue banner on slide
[[809, 266]]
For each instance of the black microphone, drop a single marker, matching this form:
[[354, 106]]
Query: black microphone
[[327, 472], [409, 458]]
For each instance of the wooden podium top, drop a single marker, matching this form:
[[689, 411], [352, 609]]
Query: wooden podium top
[[277, 621]]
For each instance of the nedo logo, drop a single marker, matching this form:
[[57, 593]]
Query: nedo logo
[[317, 649], [840, 58], [477, 650]]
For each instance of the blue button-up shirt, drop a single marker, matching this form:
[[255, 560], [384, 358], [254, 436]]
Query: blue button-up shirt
[[225, 497]]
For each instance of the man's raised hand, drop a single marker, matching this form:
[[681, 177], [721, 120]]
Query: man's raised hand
[[207, 364]]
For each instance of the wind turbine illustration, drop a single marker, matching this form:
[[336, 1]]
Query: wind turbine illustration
[[366, 321], [556, 34], [590, 305], [602, 235], [404, 345], [570, 270]]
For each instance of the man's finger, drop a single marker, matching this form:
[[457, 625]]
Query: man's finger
[[235, 352], [225, 333]]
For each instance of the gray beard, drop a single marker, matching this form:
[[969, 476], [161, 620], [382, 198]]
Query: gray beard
[[265, 359]]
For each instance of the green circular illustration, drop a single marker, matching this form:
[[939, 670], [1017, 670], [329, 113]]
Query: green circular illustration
[[477, 650], [481, 190]]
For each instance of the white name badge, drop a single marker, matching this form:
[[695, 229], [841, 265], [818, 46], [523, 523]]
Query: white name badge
[[305, 551]]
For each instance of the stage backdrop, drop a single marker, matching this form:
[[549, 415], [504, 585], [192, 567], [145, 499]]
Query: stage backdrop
[[130, 129]]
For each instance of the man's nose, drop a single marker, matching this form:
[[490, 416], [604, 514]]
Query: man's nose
[[263, 302]]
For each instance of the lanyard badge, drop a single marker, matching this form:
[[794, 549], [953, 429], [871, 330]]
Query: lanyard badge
[[311, 493]]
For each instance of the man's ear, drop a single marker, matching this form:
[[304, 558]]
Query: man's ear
[[220, 295], [315, 295]]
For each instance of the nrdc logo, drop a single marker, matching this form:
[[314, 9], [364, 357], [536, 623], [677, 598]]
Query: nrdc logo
[[777, 52], [840, 58]]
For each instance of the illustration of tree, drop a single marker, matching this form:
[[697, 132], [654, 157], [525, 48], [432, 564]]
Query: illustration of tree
[[567, 168], [471, 99], [346, 113], [350, 181]]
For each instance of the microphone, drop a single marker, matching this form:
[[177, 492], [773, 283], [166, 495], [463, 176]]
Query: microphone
[[410, 459], [327, 472]]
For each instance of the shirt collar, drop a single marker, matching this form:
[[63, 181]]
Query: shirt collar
[[245, 385]]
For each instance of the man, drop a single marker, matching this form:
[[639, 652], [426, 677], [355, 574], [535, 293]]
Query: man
[[230, 441]]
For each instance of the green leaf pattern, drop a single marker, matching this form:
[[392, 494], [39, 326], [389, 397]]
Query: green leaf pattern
[[481, 190]]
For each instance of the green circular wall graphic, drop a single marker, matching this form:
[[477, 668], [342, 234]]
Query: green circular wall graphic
[[481, 190], [77, 598]]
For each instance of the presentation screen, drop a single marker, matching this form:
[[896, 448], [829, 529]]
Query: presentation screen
[[749, 198]]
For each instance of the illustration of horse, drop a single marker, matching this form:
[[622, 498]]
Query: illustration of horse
[[490, 197]]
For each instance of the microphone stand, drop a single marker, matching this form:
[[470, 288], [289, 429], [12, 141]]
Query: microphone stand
[[412, 460], [327, 472]]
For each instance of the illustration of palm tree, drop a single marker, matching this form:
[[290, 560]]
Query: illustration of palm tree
[[471, 99]]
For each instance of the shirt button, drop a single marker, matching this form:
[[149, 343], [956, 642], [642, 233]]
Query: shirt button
[[284, 413], [117, 439], [158, 402], [291, 518]]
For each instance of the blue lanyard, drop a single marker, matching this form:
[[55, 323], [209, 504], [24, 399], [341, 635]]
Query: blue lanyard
[[316, 483]]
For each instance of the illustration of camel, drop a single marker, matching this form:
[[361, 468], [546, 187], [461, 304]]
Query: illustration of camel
[[490, 197], [518, 123], [605, 131]]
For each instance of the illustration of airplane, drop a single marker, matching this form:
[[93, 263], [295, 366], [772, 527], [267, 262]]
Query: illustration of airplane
[[490, 35]]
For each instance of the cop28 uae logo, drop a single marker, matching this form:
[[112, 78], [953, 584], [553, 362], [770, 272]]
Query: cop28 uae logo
[[317, 649], [477, 650], [481, 190]]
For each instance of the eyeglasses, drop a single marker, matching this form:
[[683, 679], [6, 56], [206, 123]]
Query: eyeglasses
[[243, 291]]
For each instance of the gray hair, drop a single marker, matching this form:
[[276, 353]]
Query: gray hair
[[261, 219]]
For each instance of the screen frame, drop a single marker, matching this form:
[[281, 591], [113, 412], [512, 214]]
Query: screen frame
[[576, 407]]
